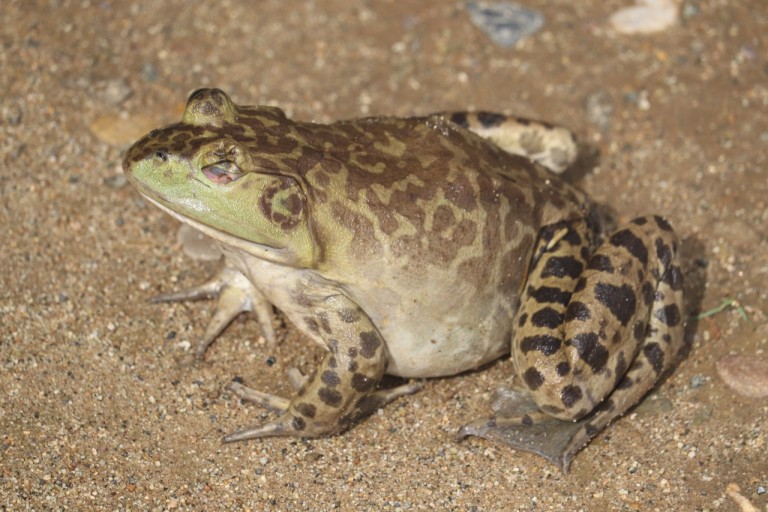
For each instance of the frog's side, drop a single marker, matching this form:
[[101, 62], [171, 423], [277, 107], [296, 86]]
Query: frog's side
[[416, 248]]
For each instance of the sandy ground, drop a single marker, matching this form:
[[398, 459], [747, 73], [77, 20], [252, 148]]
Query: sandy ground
[[96, 413]]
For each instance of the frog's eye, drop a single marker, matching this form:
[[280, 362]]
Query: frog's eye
[[222, 172]]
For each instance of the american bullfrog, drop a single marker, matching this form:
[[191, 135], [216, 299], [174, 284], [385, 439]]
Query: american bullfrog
[[421, 247]]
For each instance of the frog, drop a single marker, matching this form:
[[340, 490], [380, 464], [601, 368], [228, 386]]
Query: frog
[[421, 247]]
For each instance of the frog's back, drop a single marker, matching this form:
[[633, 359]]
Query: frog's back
[[405, 182]]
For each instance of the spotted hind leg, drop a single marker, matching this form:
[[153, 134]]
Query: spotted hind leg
[[592, 339]]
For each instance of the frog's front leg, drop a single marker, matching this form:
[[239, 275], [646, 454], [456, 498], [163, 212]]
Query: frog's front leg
[[594, 334], [344, 387]]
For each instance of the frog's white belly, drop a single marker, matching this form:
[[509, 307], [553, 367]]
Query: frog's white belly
[[435, 333]]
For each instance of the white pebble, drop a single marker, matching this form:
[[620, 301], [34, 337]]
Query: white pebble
[[646, 17]]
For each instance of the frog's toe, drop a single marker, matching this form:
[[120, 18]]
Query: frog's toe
[[235, 295], [283, 426], [272, 402]]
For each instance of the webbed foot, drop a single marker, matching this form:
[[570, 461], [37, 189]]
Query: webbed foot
[[519, 423], [235, 295]]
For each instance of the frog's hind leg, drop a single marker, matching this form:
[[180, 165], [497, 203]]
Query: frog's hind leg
[[592, 339], [552, 146], [343, 389]]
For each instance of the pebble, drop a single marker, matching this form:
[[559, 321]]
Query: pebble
[[504, 22], [698, 380], [746, 375], [197, 245], [115, 91], [645, 17], [599, 109]]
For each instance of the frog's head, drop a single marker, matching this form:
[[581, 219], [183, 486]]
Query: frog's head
[[208, 171]]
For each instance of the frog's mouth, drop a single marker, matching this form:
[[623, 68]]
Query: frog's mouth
[[273, 254]]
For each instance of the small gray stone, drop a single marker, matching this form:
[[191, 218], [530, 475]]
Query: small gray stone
[[505, 23], [599, 108], [698, 380]]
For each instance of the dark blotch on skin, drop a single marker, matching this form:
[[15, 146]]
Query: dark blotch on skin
[[369, 342], [349, 315], [460, 118], [670, 315], [306, 409], [635, 246], [674, 278], [648, 293], [590, 350], [639, 331], [324, 323], [606, 405], [547, 345], [655, 356], [577, 311], [625, 383], [522, 319], [533, 379], [563, 369], [662, 222], [362, 383], [602, 263], [312, 325], [329, 397], [548, 294], [527, 421], [663, 252], [570, 395], [573, 238], [621, 367], [547, 317], [562, 266], [330, 378], [620, 300], [299, 423], [490, 119]]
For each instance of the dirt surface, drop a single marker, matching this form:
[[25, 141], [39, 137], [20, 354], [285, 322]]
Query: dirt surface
[[97, 413]]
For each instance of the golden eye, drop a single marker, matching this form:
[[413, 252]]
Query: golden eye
[[222, 172]]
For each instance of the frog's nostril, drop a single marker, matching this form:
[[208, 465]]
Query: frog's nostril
[[162, 155]]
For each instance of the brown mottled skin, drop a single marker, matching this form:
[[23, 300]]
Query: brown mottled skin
[[421, 247]]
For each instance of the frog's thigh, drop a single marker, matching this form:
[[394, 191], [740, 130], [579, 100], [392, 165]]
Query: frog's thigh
[[619, 327]]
